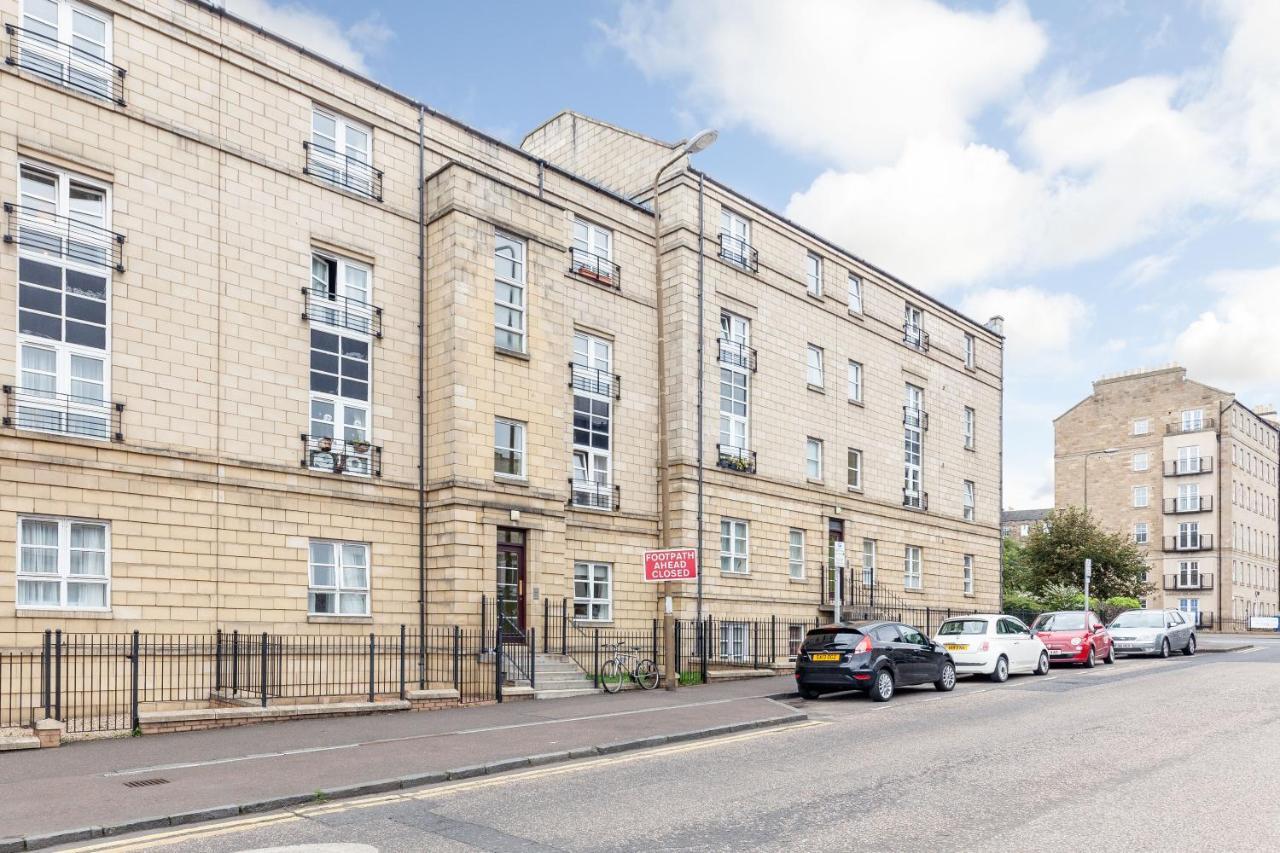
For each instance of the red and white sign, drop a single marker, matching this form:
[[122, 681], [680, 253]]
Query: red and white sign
[[671, 564]]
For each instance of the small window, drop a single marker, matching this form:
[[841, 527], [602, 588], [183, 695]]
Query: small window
[[1142, 426], [63, 564], [813, 458], [815, 375], [1141, 533], [868, 562], [855, 382], [970, 428], [1024, 530], [968, 574], [855, 468], [969, 500], [795, 554], [855, 294], [912, 568], [913, 326], [735, 239], [339, 579], [70, 44], [1193, 421], [1141, 461], [734, 546], [508, 448], [970, 352], [341, 153], [813, 274], [593, 592], [509, 293], [1141, 497], [592, 252]]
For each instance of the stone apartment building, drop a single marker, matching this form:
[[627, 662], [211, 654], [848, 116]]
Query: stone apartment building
[[285, 350], [1018, 523], [1190, 473]]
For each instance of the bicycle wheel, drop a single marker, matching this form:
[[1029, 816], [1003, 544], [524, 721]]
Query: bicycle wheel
[[612, 676], [646, 674]]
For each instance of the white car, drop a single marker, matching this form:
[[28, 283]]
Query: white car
[[992, 645]]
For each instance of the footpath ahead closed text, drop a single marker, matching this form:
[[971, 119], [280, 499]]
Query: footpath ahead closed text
[[671, 564]]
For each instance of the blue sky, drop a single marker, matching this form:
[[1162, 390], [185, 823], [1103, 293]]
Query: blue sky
[[1105, 175]]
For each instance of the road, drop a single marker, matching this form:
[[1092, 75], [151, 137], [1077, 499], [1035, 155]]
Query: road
[[1179, 754]]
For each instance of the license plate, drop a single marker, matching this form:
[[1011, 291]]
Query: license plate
[[1125, 645], [1058, 653], [957, 647], [824, 657]]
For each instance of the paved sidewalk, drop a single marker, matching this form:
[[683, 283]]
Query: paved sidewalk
[[217, 773]]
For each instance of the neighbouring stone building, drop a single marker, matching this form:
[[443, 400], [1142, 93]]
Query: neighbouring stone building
[[1018, 523], [233, 270], [1190, 473]]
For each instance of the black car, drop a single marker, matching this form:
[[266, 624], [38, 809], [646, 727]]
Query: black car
[[874, 657]]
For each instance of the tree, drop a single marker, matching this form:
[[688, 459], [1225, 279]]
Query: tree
[[1017, 576], [1053, 557]]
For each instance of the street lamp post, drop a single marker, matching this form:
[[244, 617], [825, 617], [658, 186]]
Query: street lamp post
[[1109, 451], [698, 142]]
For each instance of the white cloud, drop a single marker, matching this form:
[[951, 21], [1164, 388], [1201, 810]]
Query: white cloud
[[316, 31], [1028, 484], [1229, 345], [1148, 268], [1039, 326]]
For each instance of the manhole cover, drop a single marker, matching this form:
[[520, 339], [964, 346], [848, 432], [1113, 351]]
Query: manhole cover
[[146, 783]]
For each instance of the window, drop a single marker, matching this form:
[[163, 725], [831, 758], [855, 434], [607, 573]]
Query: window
[[913, 447], [855, 294], [733, 641], [734, 386], [912, 576], [795, 554], [813, 458], [340, 293], [733, 546], [1190, 607], [1189, 535], [854, 463], [342, 152], [509, 293], [868, 562], [913, 326], [69, 44], [1141, 461], [968, 574], [1193, 420], [63, 564], [1024, 530], [339, 579], [815, 375], [795, 637], [970, 428], [1140, 533], [735, 239], [855, 382], [1142, 426], [1140, 496], [970, 351], [592, 592], [969, 498], [1188, 497], [1189, 459], [1189, 574], [508, 448], [592, 421], [813, 274], [340, 423], [592, 251]]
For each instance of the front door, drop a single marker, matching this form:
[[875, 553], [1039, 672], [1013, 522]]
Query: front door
[[511, 579], [836, 560]]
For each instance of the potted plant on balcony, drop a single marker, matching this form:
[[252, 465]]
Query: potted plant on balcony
[[360, 446]]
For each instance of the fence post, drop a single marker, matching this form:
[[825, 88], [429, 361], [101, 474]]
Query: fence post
[[497, 653], [653, 640], [928, 622], [403, 693], [457, 660], [57, 674], [217, 663], [533, 657], [46, 672], [595, 659], [564, 626], [264, 669], [678, 651], [546, 613], [235, 663], [372, 646], [706, 634], [755, 644], [134, 722]]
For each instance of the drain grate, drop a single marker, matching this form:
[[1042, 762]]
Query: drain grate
[[146, 783]]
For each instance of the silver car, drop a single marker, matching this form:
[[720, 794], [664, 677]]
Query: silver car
[[1153, 632]]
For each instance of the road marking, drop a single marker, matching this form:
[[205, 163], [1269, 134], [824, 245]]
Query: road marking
[[1248, 651]]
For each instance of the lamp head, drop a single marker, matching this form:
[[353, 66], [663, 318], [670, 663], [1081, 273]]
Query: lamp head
[[700, 141]]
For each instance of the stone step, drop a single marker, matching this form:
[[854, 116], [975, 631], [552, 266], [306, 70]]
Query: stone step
[[562, 683], [564, 694], [9, 743]]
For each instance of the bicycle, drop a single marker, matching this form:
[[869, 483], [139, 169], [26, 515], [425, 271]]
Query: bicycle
[[623, 664]]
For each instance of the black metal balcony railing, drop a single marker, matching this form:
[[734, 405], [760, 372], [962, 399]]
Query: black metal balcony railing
[[1203, 618], [1198, 582], [1178, 506], [1198, 542], [63, 236], [341, 311], [335, 456], [737, 354], [736, 459], [1188, 467], [913, 417], [593, 380], [65, 64], [739, 252], [590, 494], [915, 500], [596, 268], [1204, 425], [915, 337], [343, 170], [63, 414]]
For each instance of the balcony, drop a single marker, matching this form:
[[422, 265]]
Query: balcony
[[1180, 428], [736, 459], [1197, 582], [343, 171], [739, 252], [62, 414], [1198, 542], [915, 500], [335, 456], [915, 337], [592, 380], [736, 354], [341, 311], [63, 237], [595, 268], [65, 65], [1182, 506], [1203, 619], [913, 417], [1188, 467], [590, 494]]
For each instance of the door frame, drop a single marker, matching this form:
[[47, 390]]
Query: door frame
[[521, 551]]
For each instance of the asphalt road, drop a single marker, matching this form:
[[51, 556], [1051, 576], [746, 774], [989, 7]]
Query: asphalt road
[[1180, 754]]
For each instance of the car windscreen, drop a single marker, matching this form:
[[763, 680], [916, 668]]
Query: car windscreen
[[1139, 619], [1060, 622], [834, 639], [962, 626]]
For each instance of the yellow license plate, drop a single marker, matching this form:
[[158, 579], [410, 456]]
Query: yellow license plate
[[824, 657], [957, 647]]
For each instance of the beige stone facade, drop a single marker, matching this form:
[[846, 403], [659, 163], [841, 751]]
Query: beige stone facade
[[1189, 472], [188, 406]]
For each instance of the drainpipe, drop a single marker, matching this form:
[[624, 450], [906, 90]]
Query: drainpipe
[[422, 400], [701, 376], [1217, 452]]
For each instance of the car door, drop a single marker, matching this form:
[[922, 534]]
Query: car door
[[890, 643], [1179, 630], [1028, 645], [925, 662], [1013, 644], [1101, 638]]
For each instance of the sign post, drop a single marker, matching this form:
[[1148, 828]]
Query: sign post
[[664, 566], [1088, 574]]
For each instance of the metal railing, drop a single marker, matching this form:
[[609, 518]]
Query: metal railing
[[590, 644], [336, 456], [1175, 581], [1180, 506], [1179, 428], [65, 64], [739, 252], [736, 459], [63, 414], [915, 500], [63, 236], [1199, 542], [736, 354], [1188, 467], [596, 268], [341, 311], [914, 417], [915, 337], [591, 494], [593, 380], [516, 652], [343, 170]]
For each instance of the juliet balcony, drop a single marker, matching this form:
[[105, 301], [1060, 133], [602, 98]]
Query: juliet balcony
[[1188, 467], [596, 269], [343, 171], [72, 415], [1184, 506], [65, 65], [739, 252]]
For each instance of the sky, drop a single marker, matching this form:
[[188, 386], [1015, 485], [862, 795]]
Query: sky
[[1105, 175]]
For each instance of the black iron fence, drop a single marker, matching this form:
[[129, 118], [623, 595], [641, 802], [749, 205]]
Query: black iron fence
[[63, 236], [343, 170], [595, 267], [589, 644], [65, 64]]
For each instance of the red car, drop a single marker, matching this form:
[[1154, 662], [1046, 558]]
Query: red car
[[1073, 636]]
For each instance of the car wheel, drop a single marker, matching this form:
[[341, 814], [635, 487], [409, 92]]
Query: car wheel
[[1001, 673], [1042, 668], [1191, 646], [1091, 660], [1111, 654], [809, 693], [882, 687], [1164, 648], [948, 680]]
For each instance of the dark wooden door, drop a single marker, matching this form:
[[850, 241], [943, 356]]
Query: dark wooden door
[[511, 579]]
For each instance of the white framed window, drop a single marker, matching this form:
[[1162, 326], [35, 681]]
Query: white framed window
[[815, 375], [735, 238], [912, 568], [970, 497], [339, 578], [1189, 534], [342, 151], [1189, 574], [509, 293], [592, 592], [340, 430], [1024, 530], [1188, 497], [813, 458], [1193, 420], [855, 294], [968, 574], [1191, 608], [592, 251], [592, 421], [1141, 461], [913, 326], [68, 43], [734, 641], [63, 564], [813, 274], [970, 351], [854, 468], [734, 546], [855, 381], [795, 554], [1189, 459], [1141, 533], [1141, 496], [341, 293], [508, 448], [1142, 426], [913, 445], [868, 562], [970, 428], [735, 385]]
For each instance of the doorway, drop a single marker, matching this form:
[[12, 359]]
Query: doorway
[[836, 560], [511, 580]]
